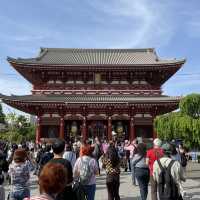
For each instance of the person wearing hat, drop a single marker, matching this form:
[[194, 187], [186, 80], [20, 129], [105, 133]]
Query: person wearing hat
[[176, 168], [19, 174], [152, 155]]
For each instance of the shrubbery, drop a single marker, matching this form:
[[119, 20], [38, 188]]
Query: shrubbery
[[184, 124]]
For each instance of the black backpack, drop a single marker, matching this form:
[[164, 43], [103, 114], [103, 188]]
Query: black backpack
[[167, 187], [183, 159]]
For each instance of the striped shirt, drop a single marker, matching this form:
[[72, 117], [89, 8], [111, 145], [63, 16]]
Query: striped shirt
[[40, 197]]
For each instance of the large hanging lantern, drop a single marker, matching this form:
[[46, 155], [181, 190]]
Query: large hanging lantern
[[119, 128], [74, 128]]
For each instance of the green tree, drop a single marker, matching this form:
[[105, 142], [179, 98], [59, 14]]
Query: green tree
[[19, 129], [190, 105], [2, 116], [11, 119], [184, 124]]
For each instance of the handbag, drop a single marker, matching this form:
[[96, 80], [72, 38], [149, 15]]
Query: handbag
[[79, 190]]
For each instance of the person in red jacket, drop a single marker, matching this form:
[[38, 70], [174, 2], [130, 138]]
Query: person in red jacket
[[152, 155]]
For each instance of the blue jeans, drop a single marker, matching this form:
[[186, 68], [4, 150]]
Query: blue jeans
[[90, 191], [20, 194], [142, 175], [133, 173]]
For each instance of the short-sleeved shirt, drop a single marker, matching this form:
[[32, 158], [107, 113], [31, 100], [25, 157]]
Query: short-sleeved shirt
[[19, 174], [70, 156], [93, 166], [141, 163], [40, 197], [153, 155], [67, 165]]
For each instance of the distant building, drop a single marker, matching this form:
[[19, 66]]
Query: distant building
[[92, 92]]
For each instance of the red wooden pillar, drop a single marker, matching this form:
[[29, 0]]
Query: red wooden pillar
[[61, 135], [109, 128], [38, 129], [132, 135], [84, 129], [154, 131]]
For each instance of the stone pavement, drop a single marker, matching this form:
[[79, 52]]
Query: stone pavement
[[130, 192]]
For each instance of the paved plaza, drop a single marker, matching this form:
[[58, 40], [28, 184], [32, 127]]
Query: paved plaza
[[130, 192]]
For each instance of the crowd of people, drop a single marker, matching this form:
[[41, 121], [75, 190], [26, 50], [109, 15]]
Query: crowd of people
[[68, 170]]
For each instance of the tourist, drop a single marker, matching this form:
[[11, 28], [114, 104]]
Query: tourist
[[105, 146], [176, 171], [39, 151], [127, 152], [174, 154], [85, 144], [132, 148], [52, 180], [182, 153], [3, 163], [141, 170], [2, 190], [58, 147], [152, 155], [11, 152], [76, 147], [19, 174], [111, 163], [69, 155], [86, 169], [97, 153], [45, 157]]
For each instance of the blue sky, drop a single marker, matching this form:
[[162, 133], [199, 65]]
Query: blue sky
[[172, 27]]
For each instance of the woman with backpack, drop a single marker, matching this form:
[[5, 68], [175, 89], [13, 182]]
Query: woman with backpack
[[111, 163], [141, 170], [85, 170]]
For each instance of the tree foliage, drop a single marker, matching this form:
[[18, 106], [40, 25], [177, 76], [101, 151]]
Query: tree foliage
[[184, 124], [19, 129], [2, 116], [190, 105]]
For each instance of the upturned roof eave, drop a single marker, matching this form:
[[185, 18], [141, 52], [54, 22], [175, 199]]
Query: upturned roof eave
[[136, 100], [35, 63]]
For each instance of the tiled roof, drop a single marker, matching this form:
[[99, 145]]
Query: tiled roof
[[59, 56], [88, 99]]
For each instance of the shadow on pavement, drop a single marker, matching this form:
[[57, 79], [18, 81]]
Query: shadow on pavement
[[193, 170], [100, 188], [130, 198]]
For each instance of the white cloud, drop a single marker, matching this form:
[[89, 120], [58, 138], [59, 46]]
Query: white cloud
[[148, 24], [14, 85], [192, 23]]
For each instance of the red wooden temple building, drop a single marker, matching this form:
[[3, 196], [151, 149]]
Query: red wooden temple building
[[95, 92]]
